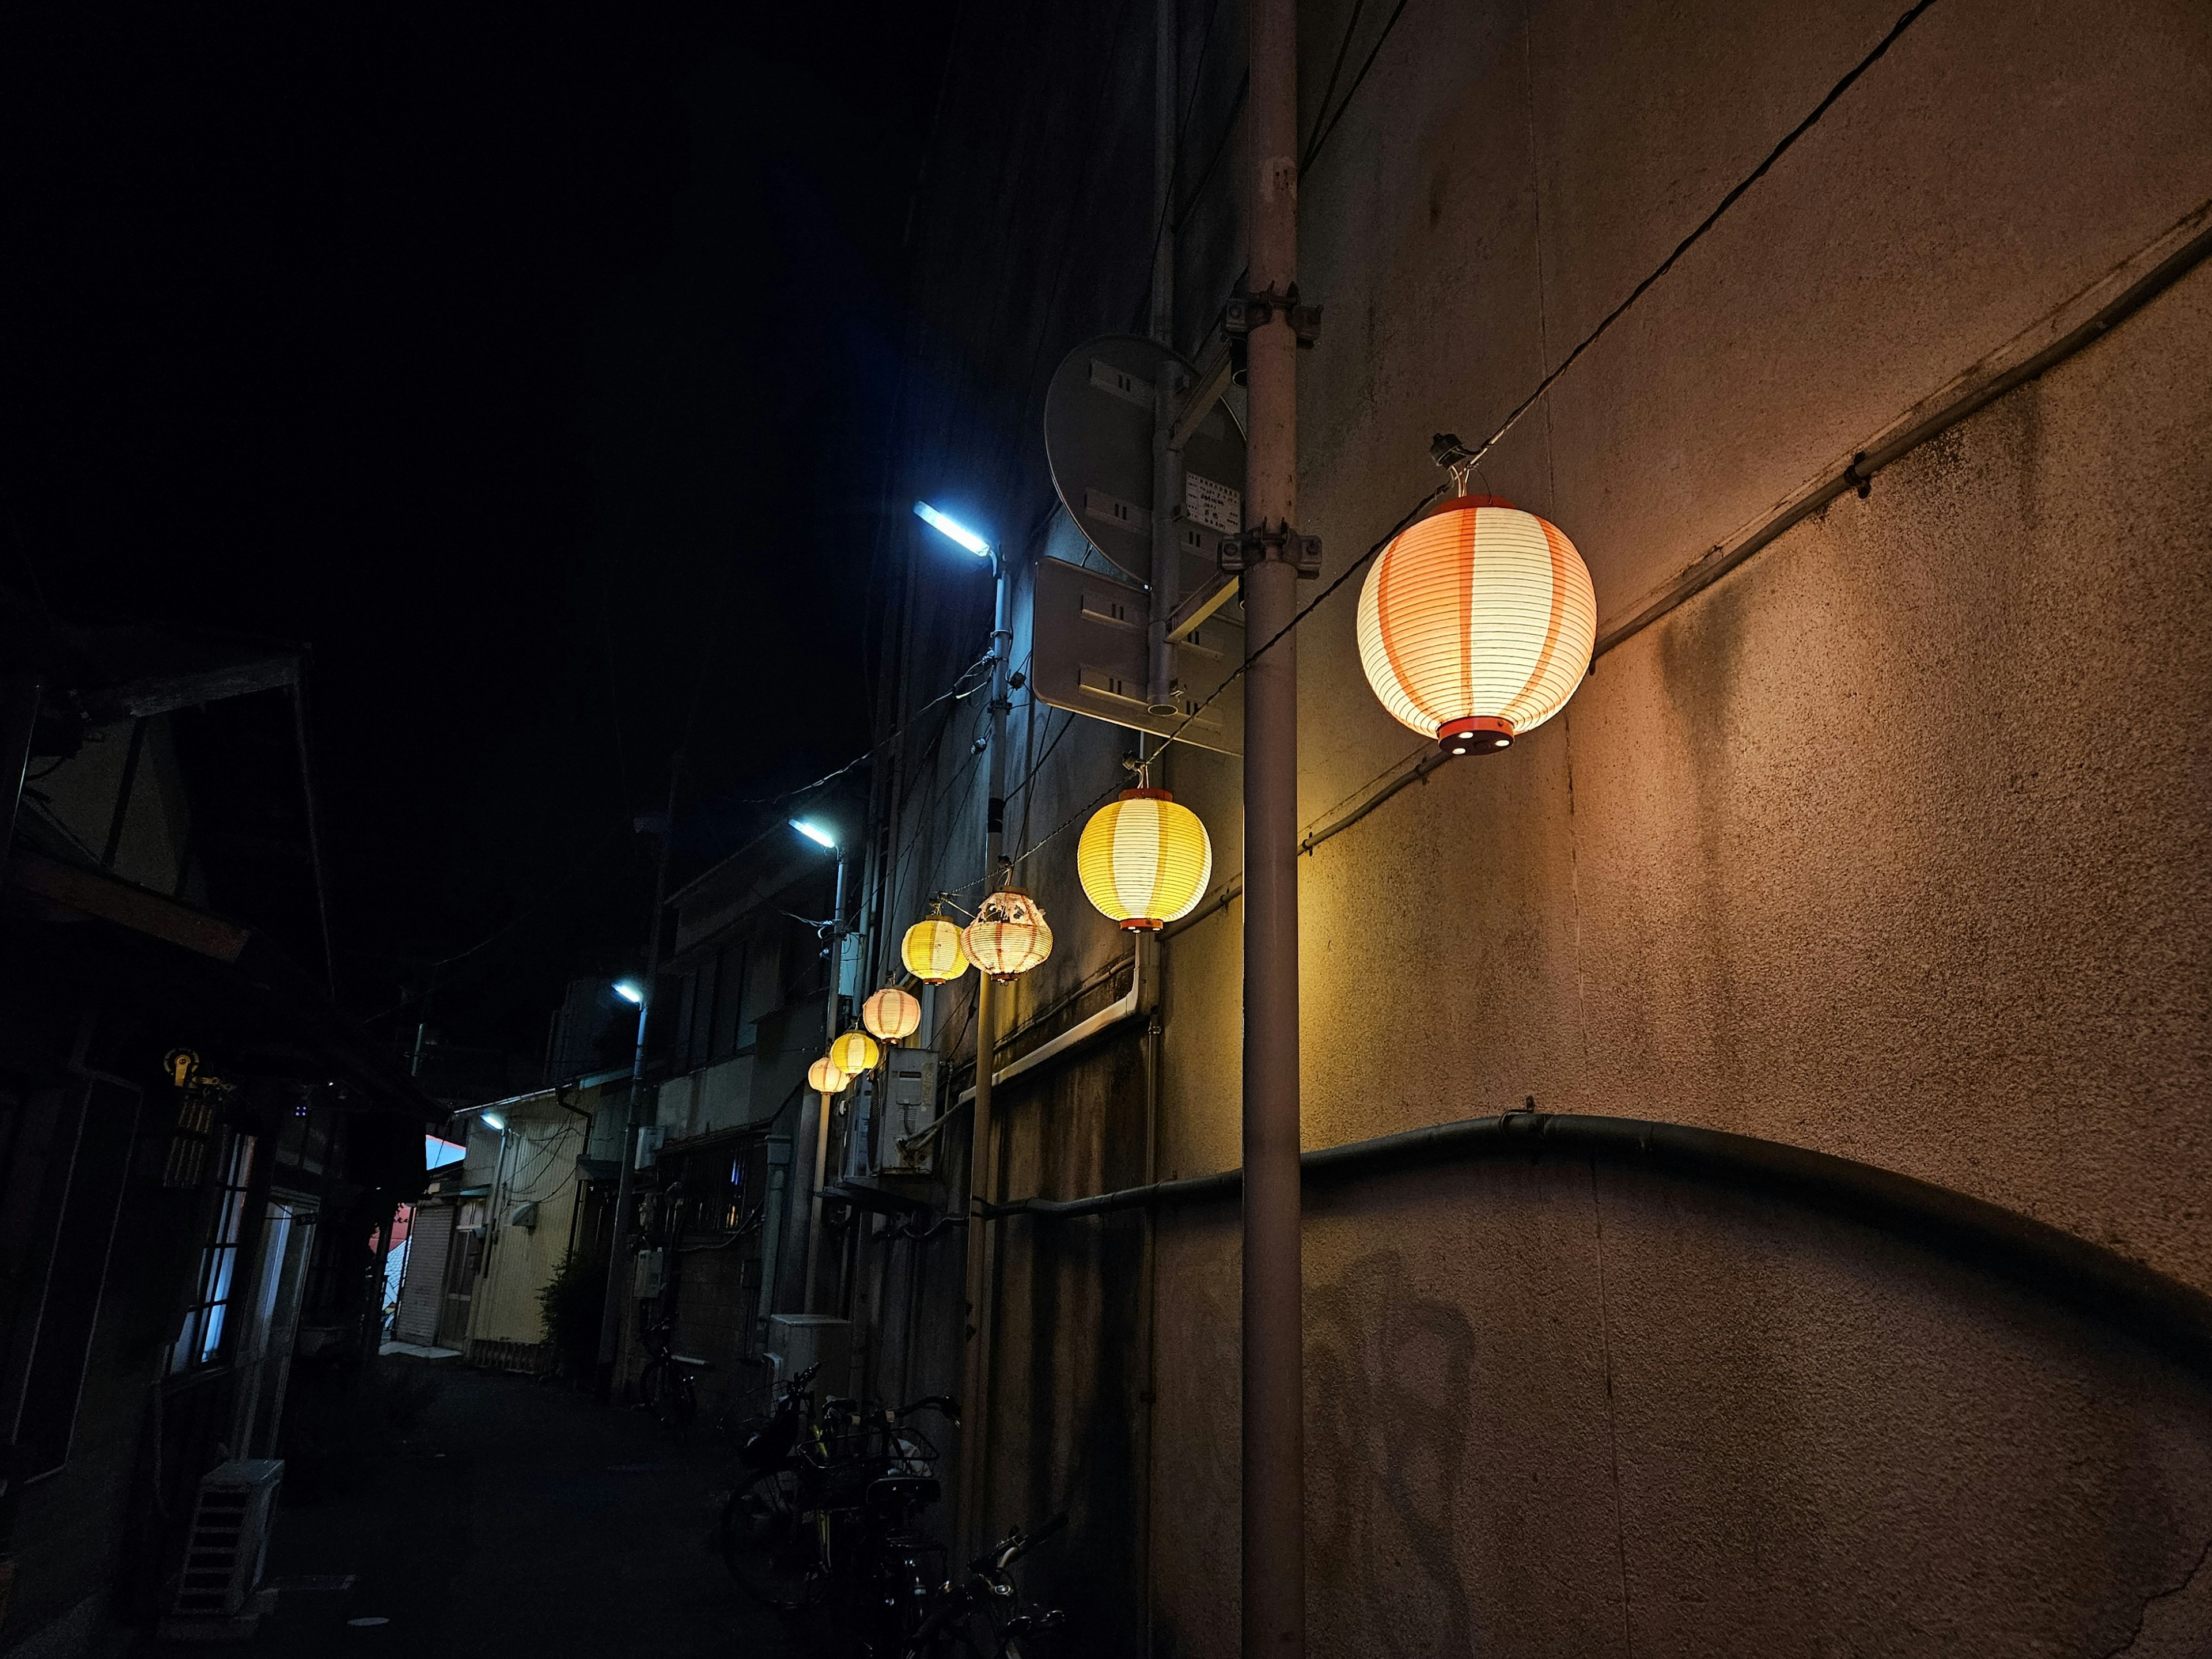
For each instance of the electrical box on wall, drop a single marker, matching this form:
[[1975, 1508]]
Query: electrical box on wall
[[646, 1282], [909, 1106]]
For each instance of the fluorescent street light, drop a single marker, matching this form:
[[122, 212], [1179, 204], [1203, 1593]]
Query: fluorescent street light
[[628, 991], [494, 1120], [815, 833], [953, 528]]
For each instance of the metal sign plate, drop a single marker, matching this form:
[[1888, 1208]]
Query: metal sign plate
[[1098, 420], [1089, 657]]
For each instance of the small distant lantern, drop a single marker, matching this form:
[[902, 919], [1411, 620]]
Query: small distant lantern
[[824, 1076], [1144, 859], [1476, 623], [1009, 936], [854, 1053], [932, 950], [891, 1014]]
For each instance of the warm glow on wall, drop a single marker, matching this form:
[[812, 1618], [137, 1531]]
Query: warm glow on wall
[[932, 950], [891, 1014], [1144, 859], [824, 1078], [853, 1052], [1476, 623], [1009, 935]]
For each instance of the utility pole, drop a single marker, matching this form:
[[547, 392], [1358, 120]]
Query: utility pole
[[831, 1001], [1273, 1351], [982, 1175], [610, 1314]]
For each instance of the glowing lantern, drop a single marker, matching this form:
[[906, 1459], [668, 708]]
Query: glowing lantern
[[891, 1014], [825, 1077], [932, 951], [1008, 936], [853, 1052], [1144, 860], [1476, 623]]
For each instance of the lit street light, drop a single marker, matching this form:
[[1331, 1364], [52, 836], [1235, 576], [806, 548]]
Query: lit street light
[[630, 992], [815, 833], [951, 527]]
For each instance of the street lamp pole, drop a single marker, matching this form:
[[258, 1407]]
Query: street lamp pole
[[982, 1175], [1273, 1355], [826, 1102], [610, 1310], [983, 1181]]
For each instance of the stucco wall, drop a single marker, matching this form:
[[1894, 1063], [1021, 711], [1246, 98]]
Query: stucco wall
[[1891, 843]]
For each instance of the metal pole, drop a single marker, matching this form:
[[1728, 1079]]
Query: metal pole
[[976, 1397], [1167, 390], [831, 1000], [610, 1313], [1273, 1357]]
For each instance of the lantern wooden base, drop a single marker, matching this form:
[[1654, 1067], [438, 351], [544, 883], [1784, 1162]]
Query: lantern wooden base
[[1480, 734]]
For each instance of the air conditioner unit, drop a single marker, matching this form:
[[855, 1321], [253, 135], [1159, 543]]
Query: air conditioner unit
[[647, 1274], [649, 1138], [226, 1549]]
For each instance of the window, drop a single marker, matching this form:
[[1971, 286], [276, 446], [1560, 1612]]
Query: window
[[200, 1342]]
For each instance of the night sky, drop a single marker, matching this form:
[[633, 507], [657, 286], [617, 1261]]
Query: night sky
[[531, 370]]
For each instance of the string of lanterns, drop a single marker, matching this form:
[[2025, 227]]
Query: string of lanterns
[[1475, 626]]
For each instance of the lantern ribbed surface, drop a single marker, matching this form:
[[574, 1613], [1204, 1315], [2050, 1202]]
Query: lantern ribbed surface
[[1144, 860], [932, 950], [1480, 614], [853, 1052], [891, 1014], [1009, 935], [824, 1079]]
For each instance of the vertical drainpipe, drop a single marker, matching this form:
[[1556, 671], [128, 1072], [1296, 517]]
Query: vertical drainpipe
[[1273, 1377], [976, 1397]]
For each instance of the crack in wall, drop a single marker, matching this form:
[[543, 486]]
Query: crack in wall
[[2160, 1648]]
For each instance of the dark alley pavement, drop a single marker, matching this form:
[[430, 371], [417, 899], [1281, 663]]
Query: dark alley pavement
[[515, 1517]]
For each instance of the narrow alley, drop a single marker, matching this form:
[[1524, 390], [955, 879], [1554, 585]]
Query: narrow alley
[[513, 1517]]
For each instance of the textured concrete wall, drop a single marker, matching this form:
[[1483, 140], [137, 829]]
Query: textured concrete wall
[[1560, 1409], [1892, 844]]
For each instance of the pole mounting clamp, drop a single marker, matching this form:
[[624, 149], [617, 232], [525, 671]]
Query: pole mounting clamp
[[1276, 541], [1255, 308]]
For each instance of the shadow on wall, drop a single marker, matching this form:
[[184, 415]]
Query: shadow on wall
[[1389, 1389]]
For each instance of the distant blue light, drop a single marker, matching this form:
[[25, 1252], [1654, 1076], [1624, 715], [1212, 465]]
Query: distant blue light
[[628, 991], [952, 527], [815, 833]]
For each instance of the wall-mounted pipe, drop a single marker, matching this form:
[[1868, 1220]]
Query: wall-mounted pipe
[[2085, 1277]]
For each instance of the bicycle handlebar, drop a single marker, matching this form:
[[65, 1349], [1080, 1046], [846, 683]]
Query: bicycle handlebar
[[1010, 1548]]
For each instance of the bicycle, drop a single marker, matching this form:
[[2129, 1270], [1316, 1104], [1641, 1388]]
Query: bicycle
[[830, 1503], [668, 1386], [982, 1617]]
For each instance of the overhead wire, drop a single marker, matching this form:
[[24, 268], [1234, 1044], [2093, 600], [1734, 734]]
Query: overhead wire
[[1513, 416]]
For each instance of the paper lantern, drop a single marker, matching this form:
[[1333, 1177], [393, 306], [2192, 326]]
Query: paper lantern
[[853, 1052], [932, 951], [824, 1076], [1476, 623], [891, 1014], [1144, 859], [1009, 935]]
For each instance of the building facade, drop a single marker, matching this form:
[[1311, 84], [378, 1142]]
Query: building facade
[[1867, 863]]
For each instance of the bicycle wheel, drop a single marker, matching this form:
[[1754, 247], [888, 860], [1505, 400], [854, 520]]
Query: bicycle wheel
[[669, 1393], [769, 1543]]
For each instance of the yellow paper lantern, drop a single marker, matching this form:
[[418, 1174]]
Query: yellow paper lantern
[[1144, 859], [1476, 623], [1009, 935], [825, 1077], [853, 1052], [932, 951], [891, 1014]]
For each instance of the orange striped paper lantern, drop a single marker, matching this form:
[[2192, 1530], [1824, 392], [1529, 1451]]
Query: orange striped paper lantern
[[824, 1078], [1144, 859], [1009, 936], [1476, 623], [891, 1014]]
